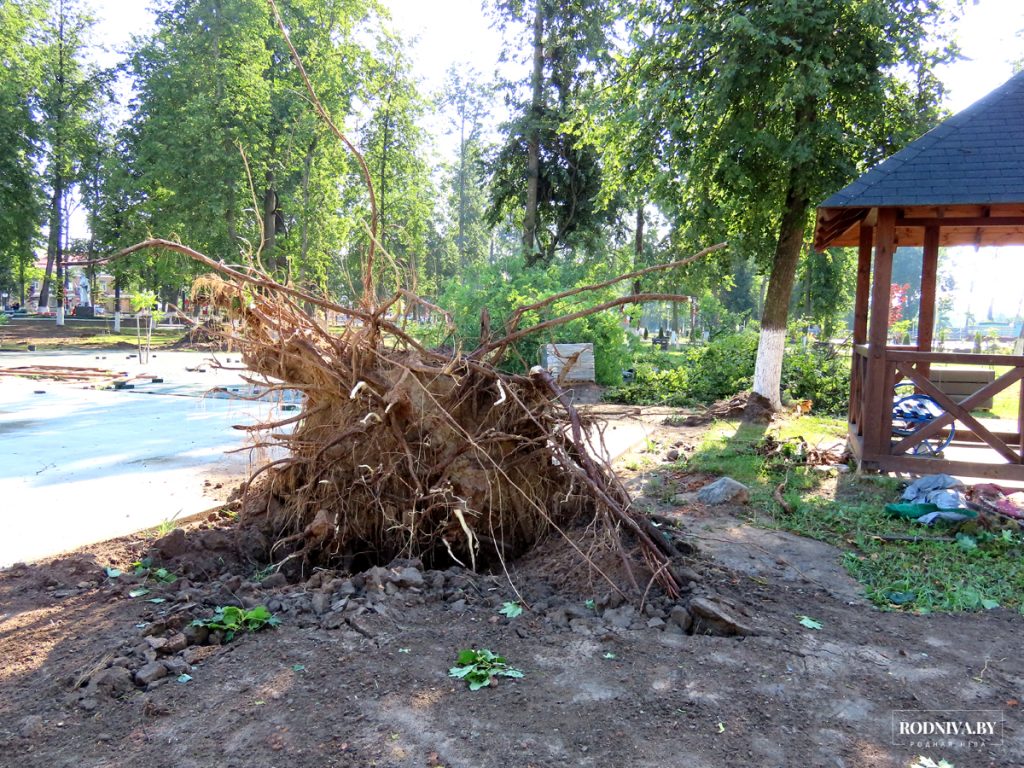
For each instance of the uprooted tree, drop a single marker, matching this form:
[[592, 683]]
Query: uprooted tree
[[403, 451]]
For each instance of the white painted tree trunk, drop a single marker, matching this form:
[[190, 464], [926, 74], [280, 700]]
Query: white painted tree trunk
[[117, 322], [768, 370], [60, 313]]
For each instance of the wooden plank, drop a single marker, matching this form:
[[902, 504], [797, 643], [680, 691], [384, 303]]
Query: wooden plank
[[970, 358], [962, 375], [876, 399], [860, 312], [962, 221], [926, 310], [923, 465]]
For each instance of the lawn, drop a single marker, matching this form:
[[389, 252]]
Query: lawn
[[972, 568]]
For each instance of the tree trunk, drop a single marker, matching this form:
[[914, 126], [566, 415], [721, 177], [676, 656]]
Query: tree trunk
[[53, 244], [533, 253], [638, 252], [772, 341], [462, 191], [270, 225], [117, 303]]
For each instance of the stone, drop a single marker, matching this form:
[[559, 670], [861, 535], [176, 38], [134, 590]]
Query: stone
[[724, 490], [333, 620], [195, 634], [176, 642], [681, 618], [274, 581], [114, 681], [321, 603], [409, 577], [711, 618], [157, 643], [89, 704], [176, 666], [174, 544], [150, 673], [620, 617], [672, 455], [31, 726], [655, 623]]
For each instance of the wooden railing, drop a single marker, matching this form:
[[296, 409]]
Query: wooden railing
[[870, 424]]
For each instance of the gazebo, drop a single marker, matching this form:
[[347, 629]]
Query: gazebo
[[962, 183]]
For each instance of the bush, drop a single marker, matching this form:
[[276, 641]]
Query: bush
[[505, 286], [701, 375], [820, 373]]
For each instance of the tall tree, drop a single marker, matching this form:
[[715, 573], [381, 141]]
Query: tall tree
[[20, 208], [760, 108], [545, 176], [70, 91], [223, 144]]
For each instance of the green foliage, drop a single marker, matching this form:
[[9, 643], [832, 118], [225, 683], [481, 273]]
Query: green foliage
[[820, 373], [897, 575], [702, 374], [479, 668], [512, 610], [570, 42], [503, 287], [231, 620]]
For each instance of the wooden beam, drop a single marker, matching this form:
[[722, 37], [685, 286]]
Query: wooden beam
[[963, 221], [929, 465], [926, 311], [860, 311], [960, 358], [876, 399]]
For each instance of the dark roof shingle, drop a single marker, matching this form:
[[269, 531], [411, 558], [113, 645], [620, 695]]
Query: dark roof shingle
[[973, 157]]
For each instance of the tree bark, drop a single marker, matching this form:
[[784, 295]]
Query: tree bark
[[533, 253], [771, 344], [638, 252], [53, 243], [270, 225]]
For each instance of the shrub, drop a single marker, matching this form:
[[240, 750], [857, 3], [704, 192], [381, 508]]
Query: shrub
[[505, 286], [820, 373], [703, 374]]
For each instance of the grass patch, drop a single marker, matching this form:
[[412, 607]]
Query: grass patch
[[971, 573]]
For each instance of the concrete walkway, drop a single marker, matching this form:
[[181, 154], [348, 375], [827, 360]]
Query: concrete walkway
[[83, 465]]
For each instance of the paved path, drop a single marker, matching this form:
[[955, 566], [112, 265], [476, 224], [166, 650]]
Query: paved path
[[83, 465]]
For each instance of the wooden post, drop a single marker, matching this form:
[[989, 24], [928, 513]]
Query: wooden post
[[926, 312], [860, 312], [878, 402], [860, 320]]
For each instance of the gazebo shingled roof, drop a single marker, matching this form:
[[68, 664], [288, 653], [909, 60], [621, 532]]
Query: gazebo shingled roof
[[967, 171], [962, 183]]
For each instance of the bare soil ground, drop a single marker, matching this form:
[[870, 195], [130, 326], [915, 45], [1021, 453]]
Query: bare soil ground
[[357, 672]]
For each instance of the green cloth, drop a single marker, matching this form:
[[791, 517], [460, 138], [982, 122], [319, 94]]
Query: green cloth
[[910, 511]]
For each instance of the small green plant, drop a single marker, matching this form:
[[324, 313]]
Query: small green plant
[[145, 568], [262, 573], [480, 667], [232, 620], [511, 609]]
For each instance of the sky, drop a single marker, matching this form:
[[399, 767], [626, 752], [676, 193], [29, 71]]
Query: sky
[[445, 32]]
